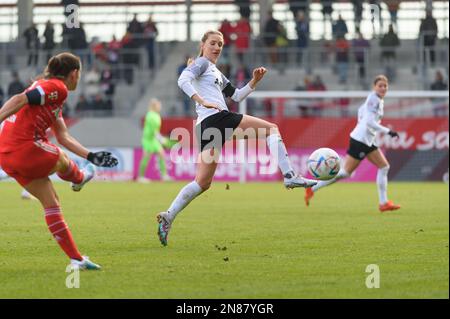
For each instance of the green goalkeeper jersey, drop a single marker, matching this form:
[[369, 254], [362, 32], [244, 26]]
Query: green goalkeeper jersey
[[152, 126]]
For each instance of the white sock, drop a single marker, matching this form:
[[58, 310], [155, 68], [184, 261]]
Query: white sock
[[340, 175], [382, 182], [276, 146], [184, 197]]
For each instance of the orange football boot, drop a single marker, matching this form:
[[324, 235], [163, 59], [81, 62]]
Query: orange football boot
[[389, 205], [308, 195]]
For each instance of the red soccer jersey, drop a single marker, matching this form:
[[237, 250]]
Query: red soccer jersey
[[32, 121]]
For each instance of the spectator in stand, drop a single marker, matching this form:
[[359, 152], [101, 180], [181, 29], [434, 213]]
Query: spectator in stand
[[227, 30], [299, 5], [107, 84], [440, 105], [318, 103], [304, 85], [271, 30], [428, 34], [393, 6], [327, 11], [99, 50], [136, 30], [128, 57], [32, 44], [439, 83], [114, 47], [388, 45], [360, 49], [244, 8], [342, 47], [79, 45], [101, 107], [282, 43], [92, 83], [49, 43], [16, 86], [302, 28], [339, 28], [357, 12], [82, 105], [317, 84], [150, 34], [243, 32]]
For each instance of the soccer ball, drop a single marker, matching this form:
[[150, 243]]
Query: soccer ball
[[324, 163]]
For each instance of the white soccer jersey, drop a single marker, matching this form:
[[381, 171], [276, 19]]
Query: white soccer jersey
[[369, 118], [203, 77]]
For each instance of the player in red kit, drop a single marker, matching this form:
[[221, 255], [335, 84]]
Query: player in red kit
[[27, 155]]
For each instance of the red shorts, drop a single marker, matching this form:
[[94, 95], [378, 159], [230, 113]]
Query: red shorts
[[31, 160]]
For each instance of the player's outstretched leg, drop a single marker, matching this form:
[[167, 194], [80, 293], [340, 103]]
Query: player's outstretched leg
[[164, 225], [45, 192], [291, 180], [251, 127], [88, 173]]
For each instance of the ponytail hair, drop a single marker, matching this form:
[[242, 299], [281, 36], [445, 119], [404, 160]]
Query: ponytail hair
[[206, 36], [59, 66]]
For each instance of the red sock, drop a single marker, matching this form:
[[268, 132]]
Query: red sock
[[73, 174], [60, 231]]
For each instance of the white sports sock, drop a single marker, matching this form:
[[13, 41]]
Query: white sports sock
[[184, 197], [382, 182], [276, 146], [340, 175]]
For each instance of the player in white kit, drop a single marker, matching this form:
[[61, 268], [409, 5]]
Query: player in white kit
[[362, 145], [207, 86]]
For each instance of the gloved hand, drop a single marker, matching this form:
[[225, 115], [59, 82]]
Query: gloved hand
[[103, 159], [393, 133]]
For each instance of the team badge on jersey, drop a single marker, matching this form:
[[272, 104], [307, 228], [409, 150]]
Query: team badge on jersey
[[218, 82], [53, 96]]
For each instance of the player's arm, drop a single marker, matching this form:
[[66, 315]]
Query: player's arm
[[13, 105], [238, 95], [371, 120], [68, 141], [191, 72], [104, 159]]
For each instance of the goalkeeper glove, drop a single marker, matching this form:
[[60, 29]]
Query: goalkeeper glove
[[103, 159]]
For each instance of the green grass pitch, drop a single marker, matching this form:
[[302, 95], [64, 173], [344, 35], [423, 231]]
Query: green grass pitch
[[248, 241]]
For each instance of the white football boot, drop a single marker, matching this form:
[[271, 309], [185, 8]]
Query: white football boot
[[89, 173]]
